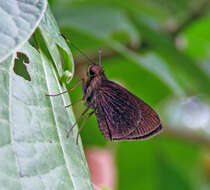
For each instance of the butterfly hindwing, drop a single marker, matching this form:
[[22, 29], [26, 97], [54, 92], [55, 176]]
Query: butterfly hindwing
[[123, 116]]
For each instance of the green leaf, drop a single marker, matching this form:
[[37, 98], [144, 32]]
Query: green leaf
[[33, 126], [9, 173], [33, 132], [183, 67], [102, 22], [197, 35], [53, 40], [49, 30], [19, 19]]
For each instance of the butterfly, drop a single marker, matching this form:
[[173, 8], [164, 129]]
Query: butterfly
[[120, 114]]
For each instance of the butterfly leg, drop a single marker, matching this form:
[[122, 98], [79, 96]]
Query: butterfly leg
[[74, 102], [71, 89], [83, 113], [83, 124]]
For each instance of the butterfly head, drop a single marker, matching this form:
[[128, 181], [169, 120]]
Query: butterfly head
[[95, 70]]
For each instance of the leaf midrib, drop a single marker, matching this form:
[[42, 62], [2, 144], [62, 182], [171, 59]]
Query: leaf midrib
[[57, 128]]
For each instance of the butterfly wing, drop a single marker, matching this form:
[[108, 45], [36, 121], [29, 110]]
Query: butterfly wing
[[121, 115], [149, 126]]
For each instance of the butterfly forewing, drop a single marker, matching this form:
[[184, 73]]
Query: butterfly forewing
[[121, 115]]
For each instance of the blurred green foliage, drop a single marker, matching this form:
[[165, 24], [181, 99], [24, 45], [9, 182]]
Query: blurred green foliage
[[160, 51]]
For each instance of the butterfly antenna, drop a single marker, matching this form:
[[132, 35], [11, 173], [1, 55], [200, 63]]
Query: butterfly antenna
[[99, 56], [78, 49]]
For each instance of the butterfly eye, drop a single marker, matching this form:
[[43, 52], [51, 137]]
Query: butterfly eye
[[91, 72]]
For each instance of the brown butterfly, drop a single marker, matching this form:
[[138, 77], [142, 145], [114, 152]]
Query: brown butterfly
[[120, 114]]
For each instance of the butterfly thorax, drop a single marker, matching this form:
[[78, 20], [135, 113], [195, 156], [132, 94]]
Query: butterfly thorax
[[90, 88]]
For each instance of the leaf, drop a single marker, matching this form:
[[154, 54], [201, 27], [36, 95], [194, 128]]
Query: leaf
[[183, 67], [196, 35], [33, 126], [18, 21], [9, 174], [33, 132], [103, 22], [53, 40]]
